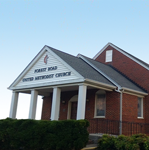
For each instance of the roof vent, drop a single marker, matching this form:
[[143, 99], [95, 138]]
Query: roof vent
[[109, 55]]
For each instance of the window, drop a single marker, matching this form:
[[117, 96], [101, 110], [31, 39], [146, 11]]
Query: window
[[140, 107], [109, 56], [100, 104]]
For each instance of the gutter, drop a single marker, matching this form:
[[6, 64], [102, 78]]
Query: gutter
[[134, 92], [100, 84]]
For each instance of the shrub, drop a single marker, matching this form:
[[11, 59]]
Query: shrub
[[134, 142], [43, 135], [107, 142]]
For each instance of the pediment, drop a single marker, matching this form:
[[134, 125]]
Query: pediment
[[46, 68]]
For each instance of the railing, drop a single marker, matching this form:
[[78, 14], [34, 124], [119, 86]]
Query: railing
[[105, 126]]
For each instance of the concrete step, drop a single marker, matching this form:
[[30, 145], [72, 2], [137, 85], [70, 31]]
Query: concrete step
[[90, 147], [94, 138]]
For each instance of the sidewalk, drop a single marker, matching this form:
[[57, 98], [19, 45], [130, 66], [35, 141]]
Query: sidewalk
[[90, 147]]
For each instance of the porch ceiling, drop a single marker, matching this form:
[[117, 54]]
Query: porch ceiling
[[47, 91]]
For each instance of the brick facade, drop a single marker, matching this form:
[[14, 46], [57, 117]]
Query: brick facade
[[46, 108], [112, 109], [112, 105], [130, 109], [135, 72]]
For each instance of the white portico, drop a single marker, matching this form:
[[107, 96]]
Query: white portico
[[55, 101]]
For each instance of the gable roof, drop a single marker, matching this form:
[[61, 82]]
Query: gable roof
[[81, 67], [23, 72], [94, 70], [137, 60], [114, 75]]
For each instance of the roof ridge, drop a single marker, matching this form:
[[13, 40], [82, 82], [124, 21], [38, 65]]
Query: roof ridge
[[134, 58], [61, 51], [95, 60], [128, 78], [130, 54]]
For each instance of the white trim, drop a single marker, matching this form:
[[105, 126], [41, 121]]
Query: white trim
[[48, 84], [99, 71], [99, 117], [140, 117], [28, 67], [95, 116], [118, 49], [101, 51], [67, 83], [134, 92], [100, 84], [44, 49], [73, 99], [109, 56], [99, 87], [141, 109]]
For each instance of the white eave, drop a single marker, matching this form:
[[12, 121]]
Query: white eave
[[134, 92], [97, 84]]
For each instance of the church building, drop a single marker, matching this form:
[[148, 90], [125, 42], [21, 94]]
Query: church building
[[110, 90]]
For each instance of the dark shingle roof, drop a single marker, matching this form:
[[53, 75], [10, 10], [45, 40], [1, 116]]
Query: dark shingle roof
[[90, 73], [115, 75], [81, 67]]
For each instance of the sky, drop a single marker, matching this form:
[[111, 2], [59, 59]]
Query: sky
[[72, 26]]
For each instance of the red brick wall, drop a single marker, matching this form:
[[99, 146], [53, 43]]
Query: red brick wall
[[46, 108], [130, 108], [131, 69], [130, 114], [112, 110], [112, 105]]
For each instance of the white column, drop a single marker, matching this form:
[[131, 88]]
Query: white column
[[33, 104], [14, 103], [81, 102], [55, 104]]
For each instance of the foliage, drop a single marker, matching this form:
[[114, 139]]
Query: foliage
[[43, 135], [134, 142], [107, 142]]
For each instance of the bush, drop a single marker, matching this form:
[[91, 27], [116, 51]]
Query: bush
[[43, 135], [134, 142], [107, 142]]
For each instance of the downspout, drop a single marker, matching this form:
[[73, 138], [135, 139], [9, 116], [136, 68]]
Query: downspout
[[120, 124]]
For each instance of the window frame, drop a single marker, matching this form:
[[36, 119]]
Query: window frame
[[109, 56], [100, 92], [141, 98]]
